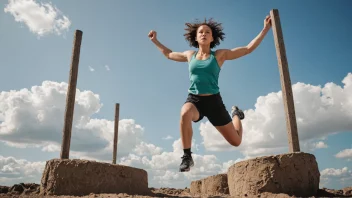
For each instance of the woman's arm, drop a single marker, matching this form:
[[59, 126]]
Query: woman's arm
[[169, 54], [230, 54]]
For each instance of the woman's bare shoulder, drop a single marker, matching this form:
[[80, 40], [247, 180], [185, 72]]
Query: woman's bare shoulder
[[189, 54]]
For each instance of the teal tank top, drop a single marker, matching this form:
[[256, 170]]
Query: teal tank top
[[204, 75]]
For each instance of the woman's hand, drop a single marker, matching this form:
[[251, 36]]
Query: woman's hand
[[152, 35], [267, 22]]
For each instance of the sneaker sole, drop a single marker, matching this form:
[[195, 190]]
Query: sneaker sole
[[186, 170]]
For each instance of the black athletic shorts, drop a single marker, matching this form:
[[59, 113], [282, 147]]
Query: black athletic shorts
[[211, 107]]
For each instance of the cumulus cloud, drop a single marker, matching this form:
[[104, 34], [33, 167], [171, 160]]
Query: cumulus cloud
[[336, 172], [40, 18], [320, 111], [147, 149], [321, 145], [335, 176], [35, 118], [18, 170], [347, 154], [163, 167], [312, 145]]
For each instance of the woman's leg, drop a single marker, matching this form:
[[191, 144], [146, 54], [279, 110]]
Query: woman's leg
[[232, 131], [189, 113], [236, 121]]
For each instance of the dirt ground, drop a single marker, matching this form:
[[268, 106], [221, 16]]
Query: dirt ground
[[162, 192], [32, 190]]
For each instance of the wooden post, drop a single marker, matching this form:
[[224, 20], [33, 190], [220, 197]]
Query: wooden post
[[287, 95], [71, 95], [116, 131]]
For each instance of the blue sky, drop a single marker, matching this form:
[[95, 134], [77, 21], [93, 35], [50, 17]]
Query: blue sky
[[152, 89]]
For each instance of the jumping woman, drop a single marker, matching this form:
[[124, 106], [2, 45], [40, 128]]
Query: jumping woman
[[204, 97]]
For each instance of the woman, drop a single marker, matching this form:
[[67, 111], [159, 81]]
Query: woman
[[204, 97]]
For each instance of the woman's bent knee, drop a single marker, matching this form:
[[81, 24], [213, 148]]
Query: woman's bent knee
[[230, 134], [186, 116], [189, 112], [235, 143]]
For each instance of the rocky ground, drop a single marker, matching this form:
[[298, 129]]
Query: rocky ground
[[32, 190]]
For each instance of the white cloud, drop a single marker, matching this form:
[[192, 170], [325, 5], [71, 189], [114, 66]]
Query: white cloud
[[51, 147], [320, 111], [41, 18], [163, 167], [226, 165], [321, 145], [91, 68], [107, 67], [19, 170], [347, 153], [312, 144], [147, 149], [334, 176], [169, 137], [335, 172], [34, 118]]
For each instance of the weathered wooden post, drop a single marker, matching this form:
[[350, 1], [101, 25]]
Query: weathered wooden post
[[116, 131], [71, 95], [302, 182], [291, 124]]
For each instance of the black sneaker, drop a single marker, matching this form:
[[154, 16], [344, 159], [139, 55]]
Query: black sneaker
[[187, 163], [238, 112]]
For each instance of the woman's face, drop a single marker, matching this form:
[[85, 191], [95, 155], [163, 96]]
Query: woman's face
[[204, 35]]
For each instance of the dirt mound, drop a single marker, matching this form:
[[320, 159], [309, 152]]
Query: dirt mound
[[20, 189], [325, 192], [81, 177], [215, 185], [170, 192], [31, 190], [294, 174]]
